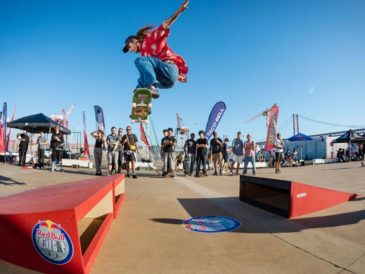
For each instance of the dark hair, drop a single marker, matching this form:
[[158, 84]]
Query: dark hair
[[170, 129], [101, 132], [226, 139], [239, 132], [201, 131], [142, 33], [165, 130], [192, 134], [113, 128]]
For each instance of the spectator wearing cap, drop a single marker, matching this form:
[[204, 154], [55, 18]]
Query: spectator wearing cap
[[130, 143], [216, 148]]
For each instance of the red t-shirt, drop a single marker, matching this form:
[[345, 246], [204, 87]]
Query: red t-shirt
[[155, 45]]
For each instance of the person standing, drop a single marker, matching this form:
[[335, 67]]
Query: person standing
[[120, 150], [42, 145], [279, 149], [237, 152], [162, 148], [201, 153], [190, 150], [225, 155], [216, 148], [98, 150], [112, 142], [23, 147], [56, 146], [249, 146], [169, 154], [130, 143]]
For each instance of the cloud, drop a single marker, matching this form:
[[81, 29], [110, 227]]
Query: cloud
[[311, 90]]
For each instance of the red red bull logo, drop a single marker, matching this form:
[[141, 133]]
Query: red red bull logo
[[52, 242]]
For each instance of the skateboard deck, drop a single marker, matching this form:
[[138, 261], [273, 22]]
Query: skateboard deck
[[141, 104]]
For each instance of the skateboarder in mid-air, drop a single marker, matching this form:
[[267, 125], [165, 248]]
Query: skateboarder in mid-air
[[158, 66]]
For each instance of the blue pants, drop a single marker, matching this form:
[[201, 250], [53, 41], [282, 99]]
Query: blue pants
[[248, 160], [155, 72]]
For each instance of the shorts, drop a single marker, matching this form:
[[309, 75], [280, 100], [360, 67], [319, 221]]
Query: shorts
[[278, 156], [130, 156], [56, 155], [217, 156], [237, 158], [112, 157]]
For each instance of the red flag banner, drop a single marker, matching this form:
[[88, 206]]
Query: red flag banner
[[2, 145], [8, 137], [272, 128], [143, 135], [86, 143]]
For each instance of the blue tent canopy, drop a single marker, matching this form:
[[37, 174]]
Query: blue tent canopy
[[300, 137]]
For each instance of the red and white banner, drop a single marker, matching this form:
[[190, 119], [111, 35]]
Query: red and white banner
[[86, 143], [143, 135], [272, 128]]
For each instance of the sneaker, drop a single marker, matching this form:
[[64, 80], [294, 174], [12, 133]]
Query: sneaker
[[154, 92], [215, 173], [135, 176], [220, 173], [127, 175], [196, 175]]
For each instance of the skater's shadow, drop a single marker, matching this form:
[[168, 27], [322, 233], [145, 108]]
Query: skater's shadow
[[256, 220], [9, 181]]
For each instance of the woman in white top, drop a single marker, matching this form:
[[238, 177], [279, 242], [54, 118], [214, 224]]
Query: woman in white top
[[279, 149]]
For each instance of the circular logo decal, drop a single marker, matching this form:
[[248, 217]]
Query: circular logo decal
[[211, 224], [52, 242]]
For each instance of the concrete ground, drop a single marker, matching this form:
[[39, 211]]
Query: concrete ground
[[147, 236]]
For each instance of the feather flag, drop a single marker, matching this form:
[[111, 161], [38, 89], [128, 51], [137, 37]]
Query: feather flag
[[214, 118], [99, 117], [86, 143], [272, 128]]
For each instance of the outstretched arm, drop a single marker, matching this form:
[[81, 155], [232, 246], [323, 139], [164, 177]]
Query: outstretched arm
[[168, 22]]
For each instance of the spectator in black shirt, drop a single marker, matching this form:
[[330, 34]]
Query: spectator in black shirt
[[225, 154], [162, 144], [216, 148], [98, 150], [190, 150], [130, 143], [169, 144], [23, 147], [56, 146], [201, 152]]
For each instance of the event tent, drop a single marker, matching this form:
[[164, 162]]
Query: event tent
[[37, 123]]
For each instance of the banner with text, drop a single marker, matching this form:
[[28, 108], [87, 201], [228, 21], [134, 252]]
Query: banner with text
[[99, 117], [214, 118]]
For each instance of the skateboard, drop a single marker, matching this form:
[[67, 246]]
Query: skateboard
[[141, 104]]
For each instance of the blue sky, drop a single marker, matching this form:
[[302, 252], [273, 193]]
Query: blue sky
[[306, 56]]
